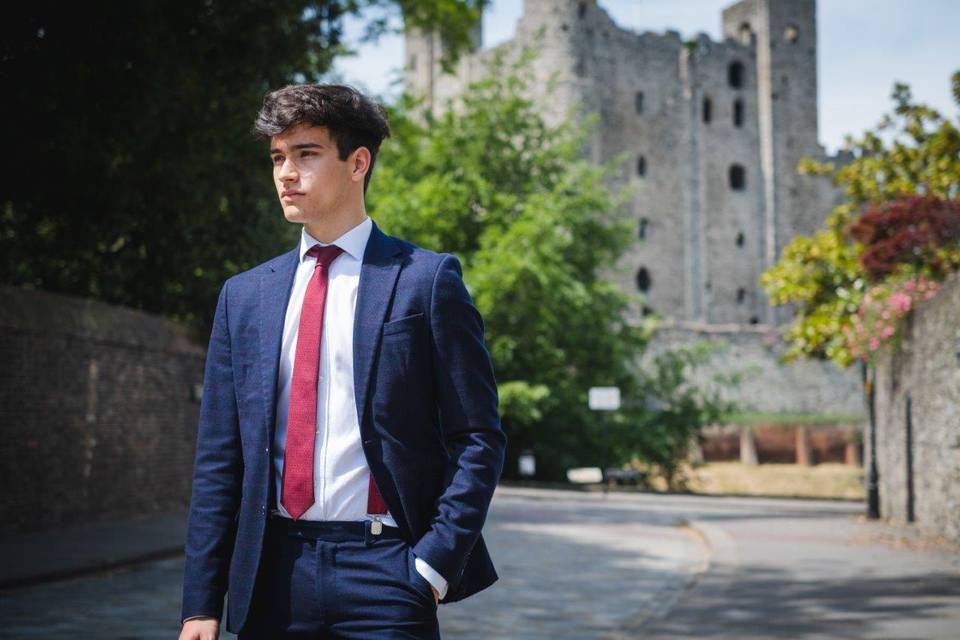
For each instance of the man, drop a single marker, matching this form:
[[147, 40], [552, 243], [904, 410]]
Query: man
[[349, 441]]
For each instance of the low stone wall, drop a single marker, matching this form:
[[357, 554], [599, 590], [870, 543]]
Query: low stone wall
[[98, 406], [768, 386], [926, 369]]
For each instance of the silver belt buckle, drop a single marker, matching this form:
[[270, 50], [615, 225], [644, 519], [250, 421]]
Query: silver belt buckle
[[376, 527]]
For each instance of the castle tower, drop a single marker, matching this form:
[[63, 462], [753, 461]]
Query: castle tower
[[422, 55], [712, 132], [563, 33], [785, 36]]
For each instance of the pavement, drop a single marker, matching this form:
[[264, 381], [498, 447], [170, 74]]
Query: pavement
[[32, 558], [573, 565]]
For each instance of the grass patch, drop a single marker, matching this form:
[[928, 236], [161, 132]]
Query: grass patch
[[828, 480]]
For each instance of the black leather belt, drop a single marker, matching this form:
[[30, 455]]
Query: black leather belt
[[333, 530]]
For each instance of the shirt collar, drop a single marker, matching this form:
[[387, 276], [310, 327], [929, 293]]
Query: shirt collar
[[353, 241]]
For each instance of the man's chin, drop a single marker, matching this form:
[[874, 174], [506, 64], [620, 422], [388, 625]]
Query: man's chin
[[293, 214]]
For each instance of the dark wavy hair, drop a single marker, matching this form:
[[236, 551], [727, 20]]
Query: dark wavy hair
[[353, 119]]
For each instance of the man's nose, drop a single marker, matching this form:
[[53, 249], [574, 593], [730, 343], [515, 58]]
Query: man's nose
[[288, 171]]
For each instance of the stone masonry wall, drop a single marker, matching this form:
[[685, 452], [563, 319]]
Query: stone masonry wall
[[98, 407], [927, 369], [804, 386]]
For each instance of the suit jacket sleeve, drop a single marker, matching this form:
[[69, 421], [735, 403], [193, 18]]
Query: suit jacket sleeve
[[466, 392], [218, 474]]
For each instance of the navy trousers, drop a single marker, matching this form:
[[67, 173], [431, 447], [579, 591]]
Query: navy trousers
[[338, 580]]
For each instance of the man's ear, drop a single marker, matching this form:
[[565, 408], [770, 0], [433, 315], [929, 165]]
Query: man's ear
[[361, 164]]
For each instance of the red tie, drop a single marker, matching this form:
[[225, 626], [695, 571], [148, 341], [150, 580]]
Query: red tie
[[297, 493]]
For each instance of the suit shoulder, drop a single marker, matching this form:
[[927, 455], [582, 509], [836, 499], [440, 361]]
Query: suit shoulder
[[424, 262], [249, 276]]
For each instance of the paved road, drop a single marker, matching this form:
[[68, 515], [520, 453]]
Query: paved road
[[586, 566], [808, 571]]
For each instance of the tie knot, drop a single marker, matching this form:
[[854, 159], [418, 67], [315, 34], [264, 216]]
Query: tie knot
[[324, 254]]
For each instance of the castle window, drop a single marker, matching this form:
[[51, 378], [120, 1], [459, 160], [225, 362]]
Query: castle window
[[638, 102], [735, 75], [642, 230], [738, 112], [791, 33], [707, 109], [582, 10], [738, 177], [745, 33], [580, 68], [740, 239], [641, 166], [741, 295], [643, 279], [645, 311], [754, 320], [412, 64]]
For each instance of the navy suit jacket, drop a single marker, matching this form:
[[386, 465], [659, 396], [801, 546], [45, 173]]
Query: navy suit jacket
[[427, 402]]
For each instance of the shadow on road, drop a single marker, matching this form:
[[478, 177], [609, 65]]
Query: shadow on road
[[759, 602]]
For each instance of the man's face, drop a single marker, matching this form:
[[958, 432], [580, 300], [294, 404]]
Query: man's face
[[311, 180]]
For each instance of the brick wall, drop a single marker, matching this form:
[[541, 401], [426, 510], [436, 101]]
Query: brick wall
[[777, 443], [99, 408], [927, 368]]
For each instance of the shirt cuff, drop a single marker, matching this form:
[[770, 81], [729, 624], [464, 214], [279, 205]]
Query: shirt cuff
[[431, 576], [197, 617]]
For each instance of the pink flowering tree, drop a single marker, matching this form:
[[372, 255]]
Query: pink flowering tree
[[878, 321], [906, 247]]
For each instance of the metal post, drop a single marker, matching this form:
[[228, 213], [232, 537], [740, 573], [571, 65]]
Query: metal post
[[873, 482], [604, 399], [606, 452], [910, 514]]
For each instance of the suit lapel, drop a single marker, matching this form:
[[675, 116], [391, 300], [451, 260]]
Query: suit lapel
[[275, 285], [378, 278]]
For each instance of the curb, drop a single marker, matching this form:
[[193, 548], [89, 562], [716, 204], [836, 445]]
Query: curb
[[721, 562]]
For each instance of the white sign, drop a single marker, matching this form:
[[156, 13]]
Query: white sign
[[585, 475], [528, 464], [604, 398]]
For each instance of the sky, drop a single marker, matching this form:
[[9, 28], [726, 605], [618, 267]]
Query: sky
[[864, 47]]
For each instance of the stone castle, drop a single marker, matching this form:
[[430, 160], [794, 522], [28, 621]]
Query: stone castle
[[714, 131]]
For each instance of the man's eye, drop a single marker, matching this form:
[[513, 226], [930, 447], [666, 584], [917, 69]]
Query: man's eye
[[277, 159], [306, 153]]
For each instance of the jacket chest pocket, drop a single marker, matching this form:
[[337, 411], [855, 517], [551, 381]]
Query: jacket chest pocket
[[404, 349], [404, 327]]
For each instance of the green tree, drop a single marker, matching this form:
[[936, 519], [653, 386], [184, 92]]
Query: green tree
[[912, 151], [135, 176], [534, 224]]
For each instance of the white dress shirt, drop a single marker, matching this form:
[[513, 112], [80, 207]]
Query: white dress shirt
[[340, 471]]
